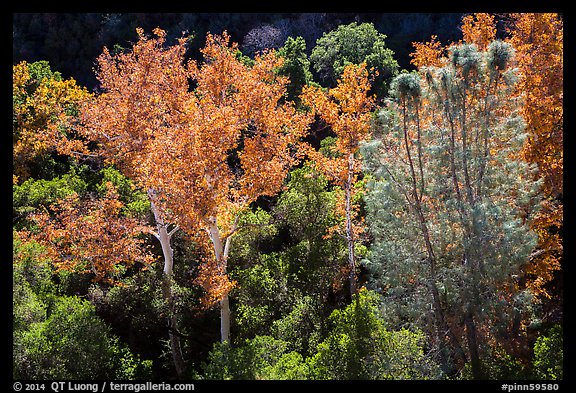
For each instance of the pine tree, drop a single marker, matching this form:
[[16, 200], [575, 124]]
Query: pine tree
[[445, 207]]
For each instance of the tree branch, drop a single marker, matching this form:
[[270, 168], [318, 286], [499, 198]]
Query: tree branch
[[173, 231]]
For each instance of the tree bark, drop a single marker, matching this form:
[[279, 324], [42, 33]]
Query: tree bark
[[164, 237], [442, 328], [221, 251], [349, 229], [477, 372], [225, 319]]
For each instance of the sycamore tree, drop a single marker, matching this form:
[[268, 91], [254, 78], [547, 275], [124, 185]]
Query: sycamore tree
[[204, 139], [346, 109], [241, 139], [92, 236], [449, 205], [140, 97]]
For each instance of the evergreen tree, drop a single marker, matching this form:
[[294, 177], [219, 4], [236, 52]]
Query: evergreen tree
[[296, 67], [354, 44], [449, 202], [57, 336]]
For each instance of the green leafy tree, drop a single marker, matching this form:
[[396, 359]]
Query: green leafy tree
[[286, 266], [354, 44], [359, 346], [498, 364], [307, 210], [57, 336], [73, 343], [549, 355], [264, 294], [303, 327], [296, 66], [256, 358]]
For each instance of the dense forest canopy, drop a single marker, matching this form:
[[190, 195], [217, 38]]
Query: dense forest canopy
[[288, 196]]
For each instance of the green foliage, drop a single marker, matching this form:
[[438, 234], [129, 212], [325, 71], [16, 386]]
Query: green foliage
[[42, 193], [357, 346], [32, 269], [136, 202], [354, 44], [73, 343], [246, 60], [257, 358], [499, 365], [328, 147], [360, 347], [263, 292], [257, 230], [290, 366], [271, 283], [466, 58], [307, 208], [27, 307], [549, 355], [32, 193], [301, 327], [499, 55], [57, 336], [282, 292], [135, 304], [296, 66], [138, 310], [39, 71], [261, 277]]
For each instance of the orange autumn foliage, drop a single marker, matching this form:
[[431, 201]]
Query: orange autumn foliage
[[479, 29], [427, 53], [206, 152], [538, 40], [43, 119], [240, 139], [142, 95], [92, 237], [346, 109]]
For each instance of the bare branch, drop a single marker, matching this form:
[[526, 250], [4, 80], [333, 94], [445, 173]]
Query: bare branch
[[173, 231]]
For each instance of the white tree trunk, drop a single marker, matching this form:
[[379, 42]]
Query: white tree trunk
[[164, 237], [221, 251], [349, 229], [225, 319]]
